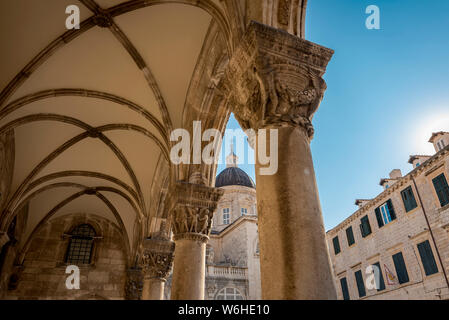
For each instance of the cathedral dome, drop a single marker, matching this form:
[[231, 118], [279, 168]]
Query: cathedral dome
[[234, 176]]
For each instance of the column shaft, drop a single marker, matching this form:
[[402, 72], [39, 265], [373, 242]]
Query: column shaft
[[294, 256], [153, 289], [193, 206], [189, 270]]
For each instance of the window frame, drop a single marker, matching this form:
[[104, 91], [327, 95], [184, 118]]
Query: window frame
[[350, 231], [80, 243], [444, 198], [411, 200], [336, 243], [360, 282], [345, 288], [385, 213], [365, 233], [433, 262], [396, 262], [226, 216], [382, 286], [234, 294]]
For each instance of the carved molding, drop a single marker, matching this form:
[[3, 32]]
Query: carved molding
[[157, 258], [192, 209], [275, 79], [284, 12], [134, 284]]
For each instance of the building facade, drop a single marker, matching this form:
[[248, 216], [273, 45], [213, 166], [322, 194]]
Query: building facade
[[396, 246], [232, 254]]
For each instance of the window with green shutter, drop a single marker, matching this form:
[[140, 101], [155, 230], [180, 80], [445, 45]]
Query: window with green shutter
[[401, 269], [442, 189], [385, 213], [360, 284], [350, 236], [427, 258], [409, 199], [378, 276], [344, 289], [365, 227], [336, 245]]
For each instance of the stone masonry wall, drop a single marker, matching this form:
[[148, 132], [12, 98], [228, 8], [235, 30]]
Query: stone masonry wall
[[401, 235], [43, 273]]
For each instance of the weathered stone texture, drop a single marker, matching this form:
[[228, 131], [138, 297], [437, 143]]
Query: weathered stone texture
[[43, 272], [401, 235]]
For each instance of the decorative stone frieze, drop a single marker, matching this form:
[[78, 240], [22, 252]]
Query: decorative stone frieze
[[274, 79], [193, 207], [157, 258]]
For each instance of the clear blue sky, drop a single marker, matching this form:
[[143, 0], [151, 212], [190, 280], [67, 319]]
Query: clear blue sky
[[387, 91]]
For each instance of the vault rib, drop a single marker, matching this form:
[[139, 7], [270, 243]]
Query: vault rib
[[68, 92], [90, 132], [62, 204]]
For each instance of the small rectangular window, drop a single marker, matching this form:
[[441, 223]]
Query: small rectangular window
[[365, 227], [401, 269], [360, 284], [226, 216], [244, 211], [344, 289], [336, 245], [427, 258], [442, 189], [409, 199], [350, 236]]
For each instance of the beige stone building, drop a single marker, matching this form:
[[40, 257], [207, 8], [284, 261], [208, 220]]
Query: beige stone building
[[89, 114], [396, 246], [232, 254]]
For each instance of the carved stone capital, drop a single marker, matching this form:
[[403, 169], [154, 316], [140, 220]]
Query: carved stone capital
[[134, 284], [157, 258], [192, 209], [274, 79]]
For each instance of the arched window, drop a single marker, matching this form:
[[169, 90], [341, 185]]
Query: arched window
[[81, 245], [229, 294]]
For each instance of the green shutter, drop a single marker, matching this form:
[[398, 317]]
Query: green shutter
[[350, 236], [380, 222], [336, 245], [360, 284], [442, 189], [379, 277], [366, 228], [401, 269], [409, 199], [344, 289], [391, 209], [427, 258]]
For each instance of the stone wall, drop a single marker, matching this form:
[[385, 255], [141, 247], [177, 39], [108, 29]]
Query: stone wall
[[42, 275], [401, 235]]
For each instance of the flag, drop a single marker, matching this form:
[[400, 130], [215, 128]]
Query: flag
[[391, 278]]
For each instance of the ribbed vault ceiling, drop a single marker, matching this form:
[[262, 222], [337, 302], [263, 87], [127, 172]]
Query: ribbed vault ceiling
[[93, 109]]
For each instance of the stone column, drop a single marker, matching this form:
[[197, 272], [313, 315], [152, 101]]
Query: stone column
[[274, 82], [156, 263], [134, 282], [193, 207]]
